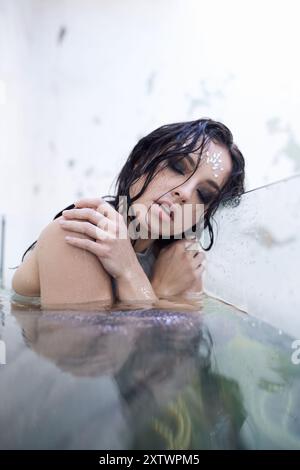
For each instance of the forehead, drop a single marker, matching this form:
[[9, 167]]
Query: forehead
[[216, 163]]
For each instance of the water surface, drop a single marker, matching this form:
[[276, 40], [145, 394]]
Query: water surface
[[215, 378]]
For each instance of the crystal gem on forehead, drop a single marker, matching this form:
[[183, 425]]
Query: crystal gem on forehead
[[215, 161]]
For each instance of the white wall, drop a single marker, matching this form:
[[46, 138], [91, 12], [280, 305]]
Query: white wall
[[85, 79]]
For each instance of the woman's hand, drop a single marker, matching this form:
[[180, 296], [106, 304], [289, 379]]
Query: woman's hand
[[97, 219], [178, 270]]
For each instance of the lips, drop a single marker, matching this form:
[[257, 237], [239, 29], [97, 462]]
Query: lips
[[166, 207]]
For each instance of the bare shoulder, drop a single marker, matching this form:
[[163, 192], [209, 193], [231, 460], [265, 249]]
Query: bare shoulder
[[69, 274], [26, 280], [61, 273]]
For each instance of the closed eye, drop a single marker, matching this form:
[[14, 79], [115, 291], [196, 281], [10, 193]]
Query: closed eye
[[205, 197], [177, 166]]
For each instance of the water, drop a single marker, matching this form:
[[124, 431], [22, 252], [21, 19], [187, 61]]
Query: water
[[146, 379]]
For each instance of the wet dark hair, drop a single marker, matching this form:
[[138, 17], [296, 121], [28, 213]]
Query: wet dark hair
[[172, 143]]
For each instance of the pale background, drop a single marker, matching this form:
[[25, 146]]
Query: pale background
[[82, 80]]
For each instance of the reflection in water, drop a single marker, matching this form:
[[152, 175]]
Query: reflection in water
[[175, 400], [161, 364], [146, 379]]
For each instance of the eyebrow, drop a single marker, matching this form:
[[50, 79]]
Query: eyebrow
[[211, 183]]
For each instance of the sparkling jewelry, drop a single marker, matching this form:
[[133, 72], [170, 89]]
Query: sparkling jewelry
[[215, 161]]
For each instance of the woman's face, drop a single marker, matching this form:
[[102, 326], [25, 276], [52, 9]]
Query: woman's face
[[187, 199]]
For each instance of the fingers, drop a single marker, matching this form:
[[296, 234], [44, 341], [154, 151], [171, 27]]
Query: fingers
[[99, 204], [87, 214], [200, 267], [92, 202], [198, 260], [200, 256], [86, 244], [191, 247], [85, 228], [194, 248], [91, 215], [116, 228]]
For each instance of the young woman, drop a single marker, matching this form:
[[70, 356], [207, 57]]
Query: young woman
[[142, 256]]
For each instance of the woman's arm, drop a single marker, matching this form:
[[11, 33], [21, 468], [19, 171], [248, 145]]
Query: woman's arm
[[134, 286], [135, 289], [178, 270], [105, 235]]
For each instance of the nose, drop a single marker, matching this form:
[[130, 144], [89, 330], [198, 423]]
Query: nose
[[182, 194]]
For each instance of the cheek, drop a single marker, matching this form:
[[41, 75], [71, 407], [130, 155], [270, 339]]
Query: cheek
[[164, 182], [156, 188], [192, 215], [161, 184], [136, 187]]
